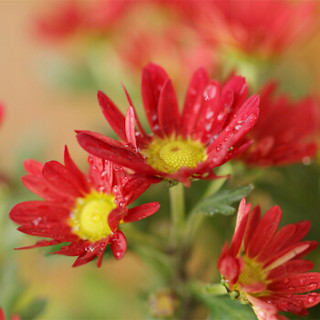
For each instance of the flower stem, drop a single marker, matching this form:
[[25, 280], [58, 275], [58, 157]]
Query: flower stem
[[177, 206]]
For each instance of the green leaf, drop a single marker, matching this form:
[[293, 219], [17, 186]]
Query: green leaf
[[220, 202], [33, 310], [224, 308]]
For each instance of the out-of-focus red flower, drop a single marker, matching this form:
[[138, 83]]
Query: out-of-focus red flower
[[263, 266], [176, 47], [2, 316], [265, 27], [2, 111], [85, 17], [83, 210], [283, 132], [181, 146]]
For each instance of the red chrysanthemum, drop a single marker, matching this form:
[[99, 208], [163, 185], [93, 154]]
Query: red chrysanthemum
[[180, 147], [2, 316], [265, 27], [73, 17], [283, 132], [83, 210], [262, 266]]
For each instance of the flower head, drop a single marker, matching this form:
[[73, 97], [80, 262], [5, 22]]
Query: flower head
[[284, 131], [264, 27], [2, 316], [83, 210], [75, 17], [263, 266], [180, 147]]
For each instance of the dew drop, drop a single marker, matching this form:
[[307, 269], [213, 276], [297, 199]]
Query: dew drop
[[306, 161], [311, 299], [312, 286], [285, 280], [220, 117], [209, 115], [302, 281]]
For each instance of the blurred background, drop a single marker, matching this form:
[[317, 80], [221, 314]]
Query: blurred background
[[53, 61]]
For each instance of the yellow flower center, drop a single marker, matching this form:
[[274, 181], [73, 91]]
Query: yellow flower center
[[171, 154], [252, 273], [89, 218]]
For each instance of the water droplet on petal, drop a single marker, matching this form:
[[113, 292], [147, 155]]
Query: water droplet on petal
[[285, 280], [306, 161]]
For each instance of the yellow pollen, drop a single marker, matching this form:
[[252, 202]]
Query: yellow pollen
[[252, 273], [89, 218], [171, 154]]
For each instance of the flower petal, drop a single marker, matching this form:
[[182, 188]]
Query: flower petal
[[118, 245], [141, 212], [168, 110], [296, 283], [113, 115], [193, 101], [153, 79], [264, 232]]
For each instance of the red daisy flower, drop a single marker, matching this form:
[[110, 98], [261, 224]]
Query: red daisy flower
[[2, 316], [2, 110], [265, 27], [184, 146], [283, 132], [262, 266], [83, 210], [73, 17]]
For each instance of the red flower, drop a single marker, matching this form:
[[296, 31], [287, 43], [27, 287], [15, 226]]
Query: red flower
[[73, 17], [283, 131], [2, 316], [264, 27], [263, 267], [184, 146], [2, 111], [83, 210], [176, 46]]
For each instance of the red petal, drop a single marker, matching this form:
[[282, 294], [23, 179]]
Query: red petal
[[252, 223], [58, 176], [208, 113], [41, 243], [141, 212], [78, 178], [168, 110], [232, 133], [293, 266], [242, 217], [296, 250], [115, 216], [130, 128], [111, 150], [230, 268], [44, 189], [264, 232], [118, 245], [153, 79], [142, 132], [193, 101], [113, 115], [296, 283], [33, 212], [33, 167]]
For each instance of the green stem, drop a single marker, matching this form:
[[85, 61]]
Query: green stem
[[177, 207]]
